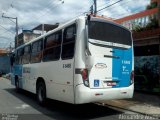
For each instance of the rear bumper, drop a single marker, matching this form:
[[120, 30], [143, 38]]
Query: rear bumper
[[86, 95]]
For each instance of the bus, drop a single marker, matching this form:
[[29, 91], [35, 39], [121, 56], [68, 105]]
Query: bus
[[85, 60]]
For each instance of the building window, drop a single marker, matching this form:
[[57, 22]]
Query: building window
[[36, 54], [147, 20], [68, 42], [52, 47], [139, 21]]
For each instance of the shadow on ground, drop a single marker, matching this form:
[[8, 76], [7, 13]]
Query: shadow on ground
[[60, 110]]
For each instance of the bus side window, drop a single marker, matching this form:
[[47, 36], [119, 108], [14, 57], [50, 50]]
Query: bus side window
[[68, 44], [36, 52], [26, 56], [19, 55], [52, 47]]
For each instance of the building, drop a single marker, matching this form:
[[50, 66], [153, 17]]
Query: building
[[143, 18], [3, 51], [4, 61], [28, 35], [44, 28], [25, 37], [145, 27]]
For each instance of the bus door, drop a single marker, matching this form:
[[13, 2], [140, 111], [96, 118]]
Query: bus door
[[17, 68]]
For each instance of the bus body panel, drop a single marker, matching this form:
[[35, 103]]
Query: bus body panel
[[59, 82], [80, 51], [115, 68], [124, 64], [86, 95], [27, 80], [101, 68], [17, 72]]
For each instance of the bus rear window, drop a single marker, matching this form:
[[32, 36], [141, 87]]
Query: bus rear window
[[109, 33]]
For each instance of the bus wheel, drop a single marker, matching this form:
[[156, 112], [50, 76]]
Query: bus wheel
[[17, 84], [41, 93]]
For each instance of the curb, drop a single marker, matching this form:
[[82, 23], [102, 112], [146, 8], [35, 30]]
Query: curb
[[129, 110]]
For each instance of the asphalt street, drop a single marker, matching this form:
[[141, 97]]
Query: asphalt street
[[23, 106]]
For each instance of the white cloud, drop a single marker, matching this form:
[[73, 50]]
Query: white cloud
[[33, 12], [124, 8]]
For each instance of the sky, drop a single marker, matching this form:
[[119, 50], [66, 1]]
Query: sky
[[31, 13]]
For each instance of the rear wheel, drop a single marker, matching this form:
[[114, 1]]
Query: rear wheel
[[41, 93]]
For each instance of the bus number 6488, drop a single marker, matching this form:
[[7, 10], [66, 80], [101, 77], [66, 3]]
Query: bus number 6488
[[66, 65]]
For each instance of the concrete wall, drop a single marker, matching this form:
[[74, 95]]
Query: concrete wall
[[4, 64]]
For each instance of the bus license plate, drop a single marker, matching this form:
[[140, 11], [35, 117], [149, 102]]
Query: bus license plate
[[111, 84]]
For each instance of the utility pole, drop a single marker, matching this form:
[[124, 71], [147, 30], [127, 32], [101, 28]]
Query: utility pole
[[95, 7], [91, 10], [16, 43]]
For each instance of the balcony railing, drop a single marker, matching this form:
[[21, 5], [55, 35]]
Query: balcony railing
[[146, 33]]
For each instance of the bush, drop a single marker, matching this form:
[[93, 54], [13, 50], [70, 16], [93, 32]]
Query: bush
[[152, 5], [153, 24]]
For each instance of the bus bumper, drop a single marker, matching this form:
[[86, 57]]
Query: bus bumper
[[86, 95]]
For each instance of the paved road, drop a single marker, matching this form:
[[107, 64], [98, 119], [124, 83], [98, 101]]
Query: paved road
[[23, 106]]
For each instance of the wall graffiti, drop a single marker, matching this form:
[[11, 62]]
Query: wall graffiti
[[147, 70]]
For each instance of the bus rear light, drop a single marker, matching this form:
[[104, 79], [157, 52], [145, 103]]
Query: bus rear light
[[132, 77], [84, 74], [98, 94]]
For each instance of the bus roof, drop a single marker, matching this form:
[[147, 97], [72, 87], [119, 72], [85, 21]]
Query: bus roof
[[102, 19]]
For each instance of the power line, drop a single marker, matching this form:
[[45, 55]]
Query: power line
[[103, 5], [6, 45], [100, 9], [12, 21], [91, 1], [109, 5], [79, 15], [124, 14], [123, 3], [7, 29], [3, 33], [16, 25], [38, 16], [6, 38], [114, 11], [51, 7]]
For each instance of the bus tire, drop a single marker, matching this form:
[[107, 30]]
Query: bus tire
[[41, 93], [17, 84]]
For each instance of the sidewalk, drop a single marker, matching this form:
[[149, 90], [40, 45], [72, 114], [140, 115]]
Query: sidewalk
[[141, 103]]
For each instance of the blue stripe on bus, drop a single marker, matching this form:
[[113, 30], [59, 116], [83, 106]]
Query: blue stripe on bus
[[17, 70], [122, 67]]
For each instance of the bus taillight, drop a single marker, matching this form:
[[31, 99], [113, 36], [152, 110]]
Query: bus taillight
[[132, 77], [85, 77]]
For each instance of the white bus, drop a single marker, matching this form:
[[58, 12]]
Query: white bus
[[85, 60]]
